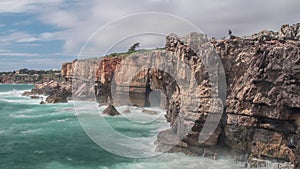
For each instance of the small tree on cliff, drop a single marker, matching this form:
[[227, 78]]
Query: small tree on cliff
[[133, 47]]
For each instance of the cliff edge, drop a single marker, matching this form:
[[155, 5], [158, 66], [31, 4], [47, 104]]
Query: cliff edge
[[261, 113]]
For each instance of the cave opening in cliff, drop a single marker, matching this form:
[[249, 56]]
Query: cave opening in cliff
[[152, 88]]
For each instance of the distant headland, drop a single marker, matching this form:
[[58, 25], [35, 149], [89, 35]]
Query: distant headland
[[27, 76]]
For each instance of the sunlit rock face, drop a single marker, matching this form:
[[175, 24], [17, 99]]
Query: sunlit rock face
[[262, 103]]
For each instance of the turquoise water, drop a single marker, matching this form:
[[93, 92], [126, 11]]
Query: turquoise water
[[34, 136]]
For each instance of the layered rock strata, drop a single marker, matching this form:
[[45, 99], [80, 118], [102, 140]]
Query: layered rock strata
[[261, 108]]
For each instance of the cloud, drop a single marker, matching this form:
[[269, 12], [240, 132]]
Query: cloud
[[15, 36], [18, 54], [30, 39], [26, 6], [79, 20], [4, 50], [22, 37], [75, 21]]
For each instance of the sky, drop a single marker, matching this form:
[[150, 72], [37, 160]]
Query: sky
[[42, 34]]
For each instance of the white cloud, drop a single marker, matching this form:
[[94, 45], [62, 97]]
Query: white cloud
[[82, 19], [20, 54], [77, 20], [22, 37], [27, 6], [30, 39], [15, 36]]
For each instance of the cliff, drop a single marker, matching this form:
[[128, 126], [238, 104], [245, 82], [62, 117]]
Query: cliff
[[263, 95], [255, 94]]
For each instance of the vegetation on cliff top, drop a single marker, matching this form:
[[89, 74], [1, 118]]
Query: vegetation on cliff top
[[30, 76]]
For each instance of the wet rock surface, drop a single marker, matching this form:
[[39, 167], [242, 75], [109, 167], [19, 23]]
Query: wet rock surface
[[262, 102], [56, 92], [56, 98], [111, 111]]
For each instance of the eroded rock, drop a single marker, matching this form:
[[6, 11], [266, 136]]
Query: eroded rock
[[262, 78], [111, 111], [56, 98]]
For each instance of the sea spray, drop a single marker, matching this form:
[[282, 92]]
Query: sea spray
[[49, 136]]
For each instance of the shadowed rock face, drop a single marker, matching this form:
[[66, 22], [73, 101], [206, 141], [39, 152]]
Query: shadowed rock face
[[261, 116], [56, 92], [263, 101], [56, 98]]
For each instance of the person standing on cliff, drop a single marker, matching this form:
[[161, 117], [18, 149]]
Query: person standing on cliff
[[230, 35]]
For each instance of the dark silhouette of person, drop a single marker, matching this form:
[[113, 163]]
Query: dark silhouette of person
[[231, 36]]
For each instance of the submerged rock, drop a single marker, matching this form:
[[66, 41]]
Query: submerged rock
[[126, 111], [111, 111]]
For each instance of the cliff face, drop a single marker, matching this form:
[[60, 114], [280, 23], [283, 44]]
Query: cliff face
[[263, 73], [82, 75], [262, 106]]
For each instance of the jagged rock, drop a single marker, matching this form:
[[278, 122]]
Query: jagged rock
[[42, 102], [263, 92], [111, 110], [290, 32], [57, 92], [56, 98], [263, 95]]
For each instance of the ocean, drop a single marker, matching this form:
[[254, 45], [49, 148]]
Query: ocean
[[34, 136]]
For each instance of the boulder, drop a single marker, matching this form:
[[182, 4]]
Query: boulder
[[111, 111], [42, 102], [56, 98]]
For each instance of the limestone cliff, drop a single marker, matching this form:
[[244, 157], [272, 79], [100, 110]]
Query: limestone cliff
[[262, 102]]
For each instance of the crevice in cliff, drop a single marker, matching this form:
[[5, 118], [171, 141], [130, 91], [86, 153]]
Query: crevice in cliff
[[262, 75]]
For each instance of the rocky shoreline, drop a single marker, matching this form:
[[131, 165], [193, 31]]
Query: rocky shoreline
[[261, 118], [55, 92]]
